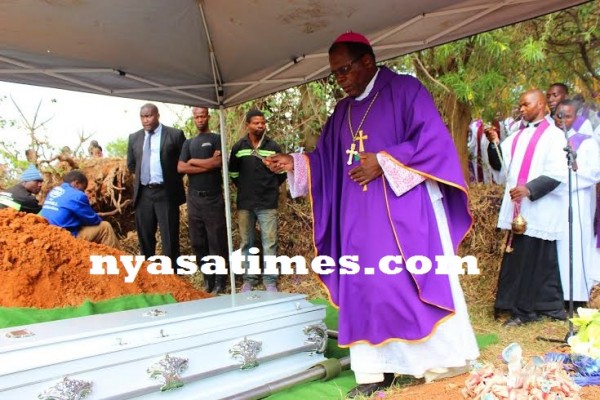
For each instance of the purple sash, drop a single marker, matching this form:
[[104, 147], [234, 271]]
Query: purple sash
[[577, 139], [526, 164], [578, 123]]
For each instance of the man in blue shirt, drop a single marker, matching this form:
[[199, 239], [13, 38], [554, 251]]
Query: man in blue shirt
[[68, 207]]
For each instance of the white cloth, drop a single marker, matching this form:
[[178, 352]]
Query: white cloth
[[504, 127], [488, 175], [586, 128], [452, 345], [546, 217], [472, 145], [584, 206], [401, 180], [514, 126], [474, 153], [481, 151], [595, 273]]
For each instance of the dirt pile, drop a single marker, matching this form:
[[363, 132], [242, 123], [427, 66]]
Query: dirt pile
[[44, 266]]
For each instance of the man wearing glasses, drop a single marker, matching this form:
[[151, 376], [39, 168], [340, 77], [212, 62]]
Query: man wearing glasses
[[257, 193], [385, 180]]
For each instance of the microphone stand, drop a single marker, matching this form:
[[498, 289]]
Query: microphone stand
[[572, 165]]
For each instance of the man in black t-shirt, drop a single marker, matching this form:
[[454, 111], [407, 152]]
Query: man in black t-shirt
[[201, 160], [21, 197]]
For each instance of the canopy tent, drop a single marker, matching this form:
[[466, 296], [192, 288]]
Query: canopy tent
[[222, 52]]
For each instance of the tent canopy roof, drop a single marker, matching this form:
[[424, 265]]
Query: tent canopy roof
[[222, 52]]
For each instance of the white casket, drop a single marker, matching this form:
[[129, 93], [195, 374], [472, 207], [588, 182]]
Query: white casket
[[204, 349]]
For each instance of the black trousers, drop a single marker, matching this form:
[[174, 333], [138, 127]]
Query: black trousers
[[154, 209], [529, 282], [207, 226]]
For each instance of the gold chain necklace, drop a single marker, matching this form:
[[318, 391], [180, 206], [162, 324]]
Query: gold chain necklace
[[352, 153]]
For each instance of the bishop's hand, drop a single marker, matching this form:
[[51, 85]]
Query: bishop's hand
[[368, 170], [279, 163]]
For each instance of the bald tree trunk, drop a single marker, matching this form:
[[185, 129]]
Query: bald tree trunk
[[458, 116]]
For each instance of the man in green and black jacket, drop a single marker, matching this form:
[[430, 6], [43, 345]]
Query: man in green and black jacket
[[258, 190]]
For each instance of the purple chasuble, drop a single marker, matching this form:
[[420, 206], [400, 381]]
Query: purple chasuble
[[404, 124]]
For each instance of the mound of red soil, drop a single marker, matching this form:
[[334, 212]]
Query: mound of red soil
[[44, 266]]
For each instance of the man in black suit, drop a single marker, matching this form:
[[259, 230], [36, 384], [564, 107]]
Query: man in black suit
[[152, 155]]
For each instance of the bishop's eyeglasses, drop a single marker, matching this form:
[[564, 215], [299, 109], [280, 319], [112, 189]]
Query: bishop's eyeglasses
[[344, 69]]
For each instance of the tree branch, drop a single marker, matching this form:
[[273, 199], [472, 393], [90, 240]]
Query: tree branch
[[422, 68]]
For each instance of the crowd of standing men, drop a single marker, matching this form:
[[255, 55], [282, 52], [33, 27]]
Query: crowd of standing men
[[159, 156], [531, 155]]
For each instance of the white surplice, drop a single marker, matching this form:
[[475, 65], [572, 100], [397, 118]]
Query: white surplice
[[584, 205]]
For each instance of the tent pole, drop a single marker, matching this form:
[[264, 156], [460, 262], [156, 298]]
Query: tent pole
[[226, 194]]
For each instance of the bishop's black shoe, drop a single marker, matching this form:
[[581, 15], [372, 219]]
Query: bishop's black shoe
[[367, 389]]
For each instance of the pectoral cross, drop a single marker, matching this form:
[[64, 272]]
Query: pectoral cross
[[361, 138], [361, 147], [351, 152]]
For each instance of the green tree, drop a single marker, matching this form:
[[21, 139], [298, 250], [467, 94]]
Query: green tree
[[572, 41], [483, 76], [117, 148]]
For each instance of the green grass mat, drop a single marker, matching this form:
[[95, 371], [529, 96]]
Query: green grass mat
[[13, 316]]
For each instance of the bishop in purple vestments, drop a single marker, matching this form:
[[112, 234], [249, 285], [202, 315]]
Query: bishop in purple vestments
[[381, 155]]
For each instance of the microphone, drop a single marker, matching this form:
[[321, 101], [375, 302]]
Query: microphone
[[571, 156]]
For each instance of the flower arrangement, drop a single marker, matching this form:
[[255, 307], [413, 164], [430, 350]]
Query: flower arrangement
[[536, 380], [587, 339]]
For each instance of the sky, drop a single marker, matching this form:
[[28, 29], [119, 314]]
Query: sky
[[71, 113]]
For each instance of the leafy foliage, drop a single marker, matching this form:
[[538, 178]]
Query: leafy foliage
[[117, 148]]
